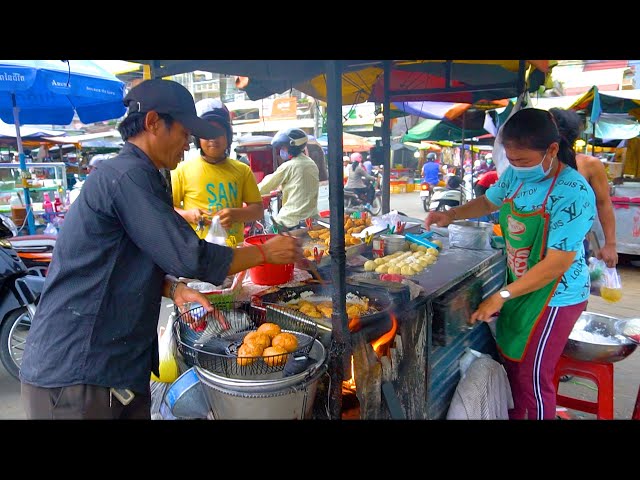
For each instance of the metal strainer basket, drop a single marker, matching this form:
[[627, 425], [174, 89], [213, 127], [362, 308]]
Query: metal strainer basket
[[210, 340]]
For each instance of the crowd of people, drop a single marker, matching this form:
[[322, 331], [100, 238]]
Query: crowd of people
[[127, 241]]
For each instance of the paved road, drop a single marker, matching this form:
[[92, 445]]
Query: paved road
[[627, 372]]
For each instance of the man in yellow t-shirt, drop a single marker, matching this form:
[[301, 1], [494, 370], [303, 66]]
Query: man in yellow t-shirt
[[214, 184]]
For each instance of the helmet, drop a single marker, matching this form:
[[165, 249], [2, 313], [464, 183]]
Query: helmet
[[293, 138], [213, 109], [97, 159], [356, 157], [431, 157]]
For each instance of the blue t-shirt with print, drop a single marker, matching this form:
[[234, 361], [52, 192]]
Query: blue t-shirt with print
[[572, 210]]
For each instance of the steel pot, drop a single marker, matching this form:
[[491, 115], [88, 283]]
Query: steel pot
[[282, 398]]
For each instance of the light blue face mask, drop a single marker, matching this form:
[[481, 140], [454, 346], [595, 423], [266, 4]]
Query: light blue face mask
[[284, 155], [532, 174]]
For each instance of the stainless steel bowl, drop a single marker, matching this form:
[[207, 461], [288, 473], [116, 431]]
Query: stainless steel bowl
[[596, 338]]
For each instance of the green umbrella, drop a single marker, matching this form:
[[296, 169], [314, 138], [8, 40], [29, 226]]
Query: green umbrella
[[435, 130]]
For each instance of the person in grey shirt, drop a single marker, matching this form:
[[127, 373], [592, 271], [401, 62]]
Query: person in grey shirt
[[357, 178], [120, 250]]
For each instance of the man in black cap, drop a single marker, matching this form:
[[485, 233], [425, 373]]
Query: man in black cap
[[93, 341]]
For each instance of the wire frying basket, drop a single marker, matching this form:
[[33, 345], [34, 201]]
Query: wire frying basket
[[211, 340]]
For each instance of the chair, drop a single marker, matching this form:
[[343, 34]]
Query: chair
[[636, 409], [599, 373]]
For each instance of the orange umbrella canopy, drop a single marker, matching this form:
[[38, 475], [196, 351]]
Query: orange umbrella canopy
[[350, 143], [355, 143]]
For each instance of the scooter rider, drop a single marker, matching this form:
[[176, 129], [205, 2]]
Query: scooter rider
[[357, 178], [431, 171], [298, 177]]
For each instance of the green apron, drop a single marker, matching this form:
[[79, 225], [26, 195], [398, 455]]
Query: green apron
[[525, 235]]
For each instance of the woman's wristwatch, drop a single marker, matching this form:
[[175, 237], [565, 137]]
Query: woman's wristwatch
[[505, 294]]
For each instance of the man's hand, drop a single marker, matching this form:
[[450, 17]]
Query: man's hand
[[283, 249], [441, 219], [227, 217], [609, 255], [195, 214], [184, 294], [487, 309]]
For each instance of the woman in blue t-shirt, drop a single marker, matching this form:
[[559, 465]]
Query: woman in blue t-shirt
[[546, 208]]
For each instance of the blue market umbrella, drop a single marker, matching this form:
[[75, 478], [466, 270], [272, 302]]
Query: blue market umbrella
[[52, 92]]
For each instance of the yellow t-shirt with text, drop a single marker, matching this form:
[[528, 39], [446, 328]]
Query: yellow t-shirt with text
[[198, 184]]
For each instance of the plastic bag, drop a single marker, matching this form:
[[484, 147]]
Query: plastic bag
[[217, 234], [596, 274], [159, 409], [611, 289], [167, 351]]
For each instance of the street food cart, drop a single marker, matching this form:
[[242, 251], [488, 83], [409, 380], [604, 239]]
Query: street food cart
[[380, 81]]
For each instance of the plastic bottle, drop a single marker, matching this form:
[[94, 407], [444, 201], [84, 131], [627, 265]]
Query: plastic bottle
[[18, 211], [57, 203], [48, 208]]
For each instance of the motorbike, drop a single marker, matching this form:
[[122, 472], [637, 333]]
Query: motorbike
[[35, 251], [444, 198], [20, 292], [369, 201], [425, 195]]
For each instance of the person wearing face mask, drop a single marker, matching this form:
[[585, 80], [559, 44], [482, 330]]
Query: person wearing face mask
[[212, 183], [546, 208], [297, 177]]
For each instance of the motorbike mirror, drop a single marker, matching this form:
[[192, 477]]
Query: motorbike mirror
[[7, 227]]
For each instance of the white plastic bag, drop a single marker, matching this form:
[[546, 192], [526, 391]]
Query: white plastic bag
[[168, 352], [217, 234], [499, 156]]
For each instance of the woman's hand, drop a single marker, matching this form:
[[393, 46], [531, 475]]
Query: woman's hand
[[487, 310], [608, 255], [441, 219]]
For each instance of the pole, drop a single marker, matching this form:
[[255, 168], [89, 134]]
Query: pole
[[386, 139], [24, 174], [340, 351]]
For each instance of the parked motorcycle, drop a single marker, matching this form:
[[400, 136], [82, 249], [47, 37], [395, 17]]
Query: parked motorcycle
[[369, 201], [19, 295], [445, 198], [35, 251]]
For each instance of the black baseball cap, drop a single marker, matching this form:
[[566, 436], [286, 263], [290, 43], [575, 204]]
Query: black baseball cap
[[171, 98]]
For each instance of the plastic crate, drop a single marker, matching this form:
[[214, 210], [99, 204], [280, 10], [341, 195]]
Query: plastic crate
[[225, 297]]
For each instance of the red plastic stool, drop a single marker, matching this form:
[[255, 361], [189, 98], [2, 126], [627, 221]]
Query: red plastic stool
[[599, 373], [636, 409]]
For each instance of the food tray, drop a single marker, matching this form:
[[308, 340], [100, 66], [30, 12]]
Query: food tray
[[210, 340], [379, 300], [308, 242]]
